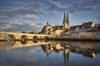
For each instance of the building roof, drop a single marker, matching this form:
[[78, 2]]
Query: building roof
[[79, 26], [99, 27], [57, 27], [75, 27], [87, 24], [44, 27]]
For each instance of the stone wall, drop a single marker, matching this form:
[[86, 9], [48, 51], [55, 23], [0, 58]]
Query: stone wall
[[90, 34]]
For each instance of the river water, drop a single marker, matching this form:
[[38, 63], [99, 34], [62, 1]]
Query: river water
[[50, 53]]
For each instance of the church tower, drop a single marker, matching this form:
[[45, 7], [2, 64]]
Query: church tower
[[66, 24]]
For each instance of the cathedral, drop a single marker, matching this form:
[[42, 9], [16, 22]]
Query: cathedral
[[56, 30]]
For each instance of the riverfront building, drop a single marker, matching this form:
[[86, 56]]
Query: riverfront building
[[66, 29]]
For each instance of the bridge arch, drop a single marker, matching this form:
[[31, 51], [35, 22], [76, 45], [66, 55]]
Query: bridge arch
[[10, 39], [35, 38], [46, 38], [24, 39]]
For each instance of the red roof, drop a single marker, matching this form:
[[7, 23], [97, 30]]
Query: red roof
[[80, 26], [75, 27], [98, 25], [87, 25]]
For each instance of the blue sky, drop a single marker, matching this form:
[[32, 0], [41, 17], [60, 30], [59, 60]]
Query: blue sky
[[29, 15]]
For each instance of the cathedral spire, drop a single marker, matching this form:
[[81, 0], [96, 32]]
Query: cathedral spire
[[66, 24], [64, 15], [66, 55]]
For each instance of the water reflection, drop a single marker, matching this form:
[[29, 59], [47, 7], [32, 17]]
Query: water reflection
[[19, 44], [55, 53], [87, 49]]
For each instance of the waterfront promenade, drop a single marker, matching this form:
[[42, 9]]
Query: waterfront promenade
[[81, 36]]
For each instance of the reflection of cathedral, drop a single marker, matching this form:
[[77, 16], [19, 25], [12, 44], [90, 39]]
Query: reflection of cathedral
[[56, 30], [48, 48], [87, 50]]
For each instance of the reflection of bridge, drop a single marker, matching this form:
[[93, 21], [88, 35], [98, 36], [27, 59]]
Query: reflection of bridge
[[20, 36], [19, 44]]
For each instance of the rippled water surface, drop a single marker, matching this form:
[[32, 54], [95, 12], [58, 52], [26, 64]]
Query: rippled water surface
[[51, 53]]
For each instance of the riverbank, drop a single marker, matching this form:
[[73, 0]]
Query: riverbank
[[73, 39]]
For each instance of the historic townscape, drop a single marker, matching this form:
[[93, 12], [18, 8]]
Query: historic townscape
[[65, 29], [87, 30]]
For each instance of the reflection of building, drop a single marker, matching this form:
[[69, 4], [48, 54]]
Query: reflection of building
[[47, 48], [84, 52], [66, 55], [57, 48], [86, 49]]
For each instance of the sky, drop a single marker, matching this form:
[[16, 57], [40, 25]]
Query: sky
[[31, 15]]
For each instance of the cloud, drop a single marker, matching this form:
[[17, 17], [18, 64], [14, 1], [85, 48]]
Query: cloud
[[3, 17], [41, 7], [28, 16], [39, 23], [33, 9], [19, 26], [18, 15], [22, 7], [57, 6], [21, 56], [97, 18], [37, 7], [85, 5]]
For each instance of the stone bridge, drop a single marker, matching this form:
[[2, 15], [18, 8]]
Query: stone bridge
[[21, 36]]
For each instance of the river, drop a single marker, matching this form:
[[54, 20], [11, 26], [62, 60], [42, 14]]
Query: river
[[50, 53]]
